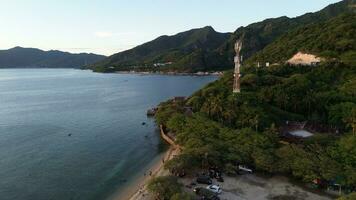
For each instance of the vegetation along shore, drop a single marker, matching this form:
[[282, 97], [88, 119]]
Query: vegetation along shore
[[293, 117]]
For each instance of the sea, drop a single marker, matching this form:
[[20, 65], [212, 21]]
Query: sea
[[68, 134]]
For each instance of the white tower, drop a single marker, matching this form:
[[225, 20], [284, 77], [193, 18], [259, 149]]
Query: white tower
[[237, 60]]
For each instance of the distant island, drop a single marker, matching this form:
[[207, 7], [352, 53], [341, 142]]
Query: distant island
[[19, 57]]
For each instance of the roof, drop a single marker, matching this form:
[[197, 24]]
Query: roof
[[304, 59], [301, 133]]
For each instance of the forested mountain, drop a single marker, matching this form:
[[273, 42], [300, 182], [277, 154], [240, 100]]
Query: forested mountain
[[206, 50], [186, 50], [19, 57], [226, 129], [257, 36], [333, 39]]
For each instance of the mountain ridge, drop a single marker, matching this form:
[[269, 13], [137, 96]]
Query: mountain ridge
[[170, 48], [332, 39], [258, 35], [255, 36], [20, 57]]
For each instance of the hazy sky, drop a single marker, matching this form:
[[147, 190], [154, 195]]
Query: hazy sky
[[110, 26]]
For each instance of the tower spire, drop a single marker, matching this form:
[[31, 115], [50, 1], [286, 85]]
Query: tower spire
[[237, 60]]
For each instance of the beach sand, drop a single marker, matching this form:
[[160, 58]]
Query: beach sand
[[138, 190]]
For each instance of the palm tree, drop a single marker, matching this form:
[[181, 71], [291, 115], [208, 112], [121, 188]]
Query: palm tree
[[309, 99], [351, 121]]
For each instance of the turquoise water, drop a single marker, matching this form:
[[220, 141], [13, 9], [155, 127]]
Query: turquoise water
[[72, 134]]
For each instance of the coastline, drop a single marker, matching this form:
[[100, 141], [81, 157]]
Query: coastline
[[138, 189], [171, 73]]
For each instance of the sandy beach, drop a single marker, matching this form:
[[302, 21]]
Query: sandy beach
[[138, 190]]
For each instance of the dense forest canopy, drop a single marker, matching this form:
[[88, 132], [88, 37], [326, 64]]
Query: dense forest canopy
[[333, 39], [226, 128], [244, 128]]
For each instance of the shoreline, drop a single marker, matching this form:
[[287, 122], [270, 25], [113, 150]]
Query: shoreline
[[138, 189], [170, 73], [253, 186]]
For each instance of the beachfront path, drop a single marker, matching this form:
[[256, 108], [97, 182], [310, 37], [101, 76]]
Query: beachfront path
[[157, 170]]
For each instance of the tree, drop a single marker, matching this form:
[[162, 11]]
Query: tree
[[344, 115], [176, 122], [164, 187], [351, 196], [182, 196], [264, 160], [285, 158], [350, 120], [345, 154]]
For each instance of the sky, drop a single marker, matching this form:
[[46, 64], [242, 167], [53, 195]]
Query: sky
[[110, 26]]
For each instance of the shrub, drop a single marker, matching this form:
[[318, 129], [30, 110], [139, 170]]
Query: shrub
[[164, 187]]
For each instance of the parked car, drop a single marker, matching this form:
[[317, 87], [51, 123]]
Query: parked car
[[206, 194], [204, 180], [214, 188], [245, 169]]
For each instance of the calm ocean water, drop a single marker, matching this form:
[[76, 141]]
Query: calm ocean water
[[71, 134]]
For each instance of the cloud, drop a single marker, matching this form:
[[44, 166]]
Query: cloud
[[103, 34]]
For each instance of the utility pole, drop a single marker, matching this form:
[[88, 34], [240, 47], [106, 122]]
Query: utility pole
[[237, 60]]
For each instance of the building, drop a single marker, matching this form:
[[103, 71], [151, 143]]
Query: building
[[162, 64], [293, 131], [304, 59]]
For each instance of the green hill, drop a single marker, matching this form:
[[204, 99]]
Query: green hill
[[206, 50], [185, 50], [333, 39], [248, 128], [257, 36]]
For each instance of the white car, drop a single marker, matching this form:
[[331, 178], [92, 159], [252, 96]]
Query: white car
[[214, 188], [244, 168]]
